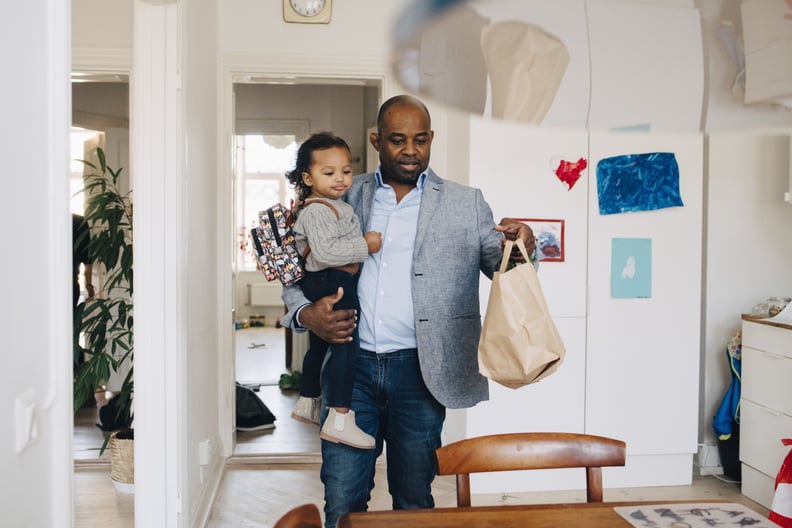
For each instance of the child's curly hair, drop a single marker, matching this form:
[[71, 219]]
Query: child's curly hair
[[317, 141]]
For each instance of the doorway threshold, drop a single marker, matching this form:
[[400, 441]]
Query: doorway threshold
[[278, 458]]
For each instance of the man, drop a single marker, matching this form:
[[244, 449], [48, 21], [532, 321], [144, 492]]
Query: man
[[419, 319], [80, 255]]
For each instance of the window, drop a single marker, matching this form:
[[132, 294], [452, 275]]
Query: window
[[262, 162], [81, 141]]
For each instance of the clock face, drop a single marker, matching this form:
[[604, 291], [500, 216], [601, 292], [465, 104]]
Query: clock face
[[307, 11], [308, 8]]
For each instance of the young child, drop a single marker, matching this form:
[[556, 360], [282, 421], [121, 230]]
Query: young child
[[328, 229]]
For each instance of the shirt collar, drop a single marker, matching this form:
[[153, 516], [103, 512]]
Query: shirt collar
[[420, 184]]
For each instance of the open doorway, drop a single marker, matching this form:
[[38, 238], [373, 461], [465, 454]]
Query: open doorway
[[271, 118], [100, 119]]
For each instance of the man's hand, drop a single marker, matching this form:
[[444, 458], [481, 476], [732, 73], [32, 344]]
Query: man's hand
[[512, 230], [334, 326]]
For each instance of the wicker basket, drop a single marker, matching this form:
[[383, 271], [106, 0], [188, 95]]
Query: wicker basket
[[122, 457]]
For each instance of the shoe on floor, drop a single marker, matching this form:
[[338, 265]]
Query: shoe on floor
[[285, 381], [342, 429], [308, 410]]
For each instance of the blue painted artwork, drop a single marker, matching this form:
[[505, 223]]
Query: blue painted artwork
[[638, 182], [631, 268]]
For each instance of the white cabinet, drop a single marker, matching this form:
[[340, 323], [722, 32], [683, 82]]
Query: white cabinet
[[630, 362], [766, 405]]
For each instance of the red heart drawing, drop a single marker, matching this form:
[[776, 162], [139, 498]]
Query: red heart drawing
[[569, 171]]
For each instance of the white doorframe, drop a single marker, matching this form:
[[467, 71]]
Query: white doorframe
[[242, 68], [156, 158]]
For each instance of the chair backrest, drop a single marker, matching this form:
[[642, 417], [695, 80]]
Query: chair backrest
[[517, 451], [303, 516]]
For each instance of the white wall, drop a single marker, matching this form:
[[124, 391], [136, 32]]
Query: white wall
[[102, 24], [202, 354], [323, 106], [748, 246], [34, 210], [96, 105]]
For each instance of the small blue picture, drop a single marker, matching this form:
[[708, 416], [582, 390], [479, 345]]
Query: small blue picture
[[631, 268]]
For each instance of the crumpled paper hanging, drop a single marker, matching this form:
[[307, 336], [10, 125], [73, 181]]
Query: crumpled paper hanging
[[526, 65]]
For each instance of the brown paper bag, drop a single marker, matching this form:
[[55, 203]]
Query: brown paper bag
[[519, 341]]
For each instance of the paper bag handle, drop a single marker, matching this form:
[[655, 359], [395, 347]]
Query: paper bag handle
[[507, 249]]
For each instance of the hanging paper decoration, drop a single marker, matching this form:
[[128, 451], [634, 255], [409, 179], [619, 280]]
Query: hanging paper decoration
[[569, 172], [638, 182]]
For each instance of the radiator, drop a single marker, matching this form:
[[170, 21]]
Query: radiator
[[265, 294]]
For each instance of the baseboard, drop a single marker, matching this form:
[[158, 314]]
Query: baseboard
[[203, 507]]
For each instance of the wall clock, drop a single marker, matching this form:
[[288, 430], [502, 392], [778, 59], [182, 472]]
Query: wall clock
[[307, 11]]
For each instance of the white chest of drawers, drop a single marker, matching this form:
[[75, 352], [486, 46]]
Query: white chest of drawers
[[765, 405]]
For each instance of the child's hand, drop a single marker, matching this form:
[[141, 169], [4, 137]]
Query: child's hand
[[374, 241]]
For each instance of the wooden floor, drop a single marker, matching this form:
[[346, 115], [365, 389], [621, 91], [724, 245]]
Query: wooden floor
[[256, 495], [260, 361], [259, 486], [260, 367]]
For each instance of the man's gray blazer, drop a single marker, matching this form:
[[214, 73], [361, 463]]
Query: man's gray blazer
[[455, 241]]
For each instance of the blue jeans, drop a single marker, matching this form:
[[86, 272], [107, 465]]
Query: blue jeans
[[392, 404]]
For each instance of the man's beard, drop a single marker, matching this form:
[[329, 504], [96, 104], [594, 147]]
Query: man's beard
[[394, 175], [400, 178]]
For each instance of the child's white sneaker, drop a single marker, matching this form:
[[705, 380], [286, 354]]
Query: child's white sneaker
[[308, 410], [341, 428]]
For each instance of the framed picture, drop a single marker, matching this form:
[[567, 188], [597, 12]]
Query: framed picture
[[549, 238]]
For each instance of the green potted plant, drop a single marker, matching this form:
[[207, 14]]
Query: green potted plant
[[103, 325]]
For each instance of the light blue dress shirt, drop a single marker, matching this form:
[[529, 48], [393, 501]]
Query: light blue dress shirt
[[386, 320]]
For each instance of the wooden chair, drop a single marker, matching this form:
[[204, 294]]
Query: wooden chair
[[517, 451], [303, 516]]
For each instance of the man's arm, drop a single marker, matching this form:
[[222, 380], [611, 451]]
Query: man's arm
[[334, 326], [293, 298]]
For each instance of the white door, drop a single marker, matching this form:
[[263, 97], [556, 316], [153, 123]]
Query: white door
[[35, 383]]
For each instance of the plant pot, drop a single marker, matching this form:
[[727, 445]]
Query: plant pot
[[122, 460]]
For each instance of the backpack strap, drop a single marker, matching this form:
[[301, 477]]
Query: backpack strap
[[306, 203], [319, 200]]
